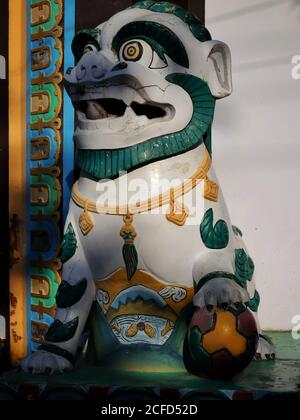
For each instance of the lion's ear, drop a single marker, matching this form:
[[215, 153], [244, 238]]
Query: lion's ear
[[218, 68]]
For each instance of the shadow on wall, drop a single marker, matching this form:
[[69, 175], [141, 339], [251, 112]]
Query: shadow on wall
[[2, 328], [2, 67]]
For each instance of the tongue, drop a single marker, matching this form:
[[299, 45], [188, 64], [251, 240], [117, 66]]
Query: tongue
[[94, 111]]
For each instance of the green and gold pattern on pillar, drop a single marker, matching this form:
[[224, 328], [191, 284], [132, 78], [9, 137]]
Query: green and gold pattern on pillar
[[45, 159]]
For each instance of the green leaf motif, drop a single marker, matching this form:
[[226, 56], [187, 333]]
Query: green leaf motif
[[244, 266], [69, 244], [237, 231], [59, 332], [214, 237], [254, 302], [68, 295]]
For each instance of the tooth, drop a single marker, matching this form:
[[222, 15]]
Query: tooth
[[129, 112], [94, 111]]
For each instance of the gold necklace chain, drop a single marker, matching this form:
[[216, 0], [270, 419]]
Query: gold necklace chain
[[177, 213], [151, 203]]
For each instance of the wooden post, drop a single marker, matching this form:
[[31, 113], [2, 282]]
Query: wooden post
[[4, 215], [198, 8], [182, 3], [101, 10], [98, 11], [17, 97]]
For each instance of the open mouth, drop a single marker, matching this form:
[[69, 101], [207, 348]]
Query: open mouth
[[99, 109]]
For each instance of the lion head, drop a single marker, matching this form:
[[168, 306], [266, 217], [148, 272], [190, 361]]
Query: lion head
[[144, 87]]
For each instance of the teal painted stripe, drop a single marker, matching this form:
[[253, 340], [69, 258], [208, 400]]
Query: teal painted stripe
[[175, 145], [141, 152], [167, 146], [147, 152], [202, 97], [193, 138], [157, 148], [198, 91], [191, 84], [89, 161], [201, 125], [114, 158], [98, 162], [121, 160], [134, 155], [204, 118], [102, 164], [127, 153], [108, 169], [180, 141], [93, 160], [186, 140]]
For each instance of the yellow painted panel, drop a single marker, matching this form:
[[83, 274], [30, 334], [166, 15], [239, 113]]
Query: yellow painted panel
[[17, 172]]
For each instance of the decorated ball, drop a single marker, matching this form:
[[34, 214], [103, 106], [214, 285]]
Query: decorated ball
[[221, 344]]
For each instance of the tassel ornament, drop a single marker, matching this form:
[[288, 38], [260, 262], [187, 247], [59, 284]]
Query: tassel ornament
[[130, 256]]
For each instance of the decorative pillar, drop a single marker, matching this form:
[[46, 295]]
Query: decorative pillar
[[49, 155]]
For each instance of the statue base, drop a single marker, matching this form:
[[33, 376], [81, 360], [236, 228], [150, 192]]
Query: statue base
[[277, 379]]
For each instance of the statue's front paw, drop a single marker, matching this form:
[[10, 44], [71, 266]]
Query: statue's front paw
[[220, 292], [45, 362], [265, 349]]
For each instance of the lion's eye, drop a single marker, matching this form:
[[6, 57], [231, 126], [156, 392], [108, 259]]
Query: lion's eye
[[132, 51], [138, 50]]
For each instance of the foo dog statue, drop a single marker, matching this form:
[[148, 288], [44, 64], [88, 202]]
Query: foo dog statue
[[148, 239]]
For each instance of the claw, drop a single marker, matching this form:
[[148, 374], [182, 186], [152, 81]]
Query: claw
[[48, 371], [258, 356]]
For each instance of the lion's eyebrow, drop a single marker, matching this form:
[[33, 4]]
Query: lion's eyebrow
[[161, 38]]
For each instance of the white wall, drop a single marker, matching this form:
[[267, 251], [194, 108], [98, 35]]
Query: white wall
[[257, 144]]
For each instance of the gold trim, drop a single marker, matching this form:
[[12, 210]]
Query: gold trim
[[40, 103], [39, 194], [86, 222], [41, 50], [39, 326], [128, 232], [40, 148], [150, 204], [56, 124], [178, 212], [39, 286], [40, 14], [211, 190]]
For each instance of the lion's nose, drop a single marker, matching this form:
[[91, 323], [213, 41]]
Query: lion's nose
[[92, 66]]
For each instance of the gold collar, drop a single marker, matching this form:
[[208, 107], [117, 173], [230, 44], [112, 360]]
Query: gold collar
[[177, 213]]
